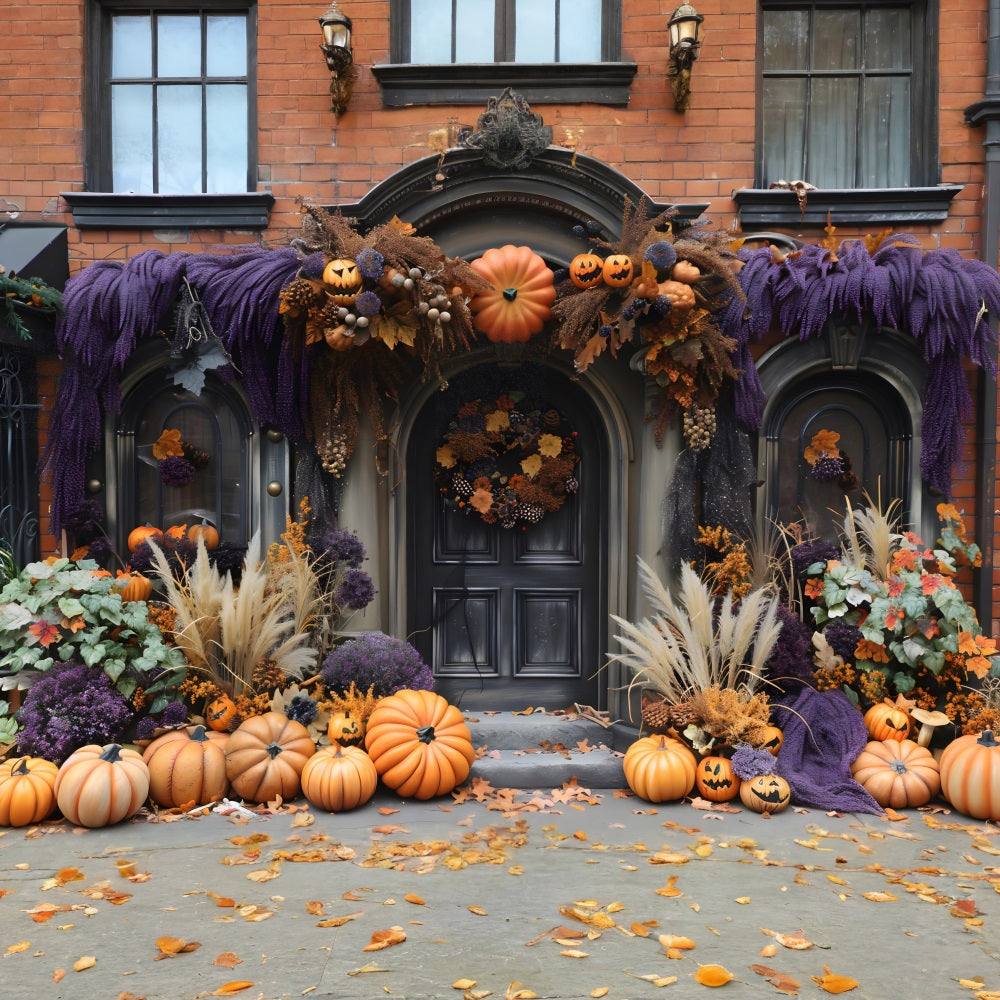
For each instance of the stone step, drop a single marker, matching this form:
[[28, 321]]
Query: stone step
[[507, 731], [600, 768]]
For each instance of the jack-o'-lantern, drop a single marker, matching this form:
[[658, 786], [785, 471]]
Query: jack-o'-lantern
[[887, 721], [343, 280], [618, 270], [345, 729], [715, 779], [766, 793], [585, 270], [772, 739], [220, 713]]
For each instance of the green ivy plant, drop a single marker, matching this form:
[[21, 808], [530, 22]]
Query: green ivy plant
[[58, 610]]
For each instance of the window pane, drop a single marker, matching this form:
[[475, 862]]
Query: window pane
[[784, 130], [132, 138], [786, 39], [885, 129], [178, 46], [430, 32], [226, 46], [887, 39], [179, 139], [226, 137], [579, 30], [131, 47], [836, 44], [536, 31], [474, 26], [832, 140]]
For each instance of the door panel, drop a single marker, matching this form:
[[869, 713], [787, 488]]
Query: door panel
[[509, 617]]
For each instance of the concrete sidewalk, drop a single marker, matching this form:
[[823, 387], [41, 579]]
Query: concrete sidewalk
[[568, 898]]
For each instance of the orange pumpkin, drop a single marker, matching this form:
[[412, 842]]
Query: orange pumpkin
[[26, 790], [715, 779], [338, 778], [618, 270], [219, 713], [681, 296], [206, 532], [338, 338], [134, 587], [659, 769], [766, 793], [266, 755], [899, 774], [419, 743], [520, 301], [970, 775], [176, 532], [886, 721], [585, 270], [99, 786], [685, 272], [345, 729], [141, 535], [344, 280], [771, 740], [187, 765]]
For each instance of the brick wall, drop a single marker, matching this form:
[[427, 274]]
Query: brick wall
[[305, 152]]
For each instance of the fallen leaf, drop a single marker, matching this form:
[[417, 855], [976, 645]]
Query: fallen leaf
[[171, 945], [880, 897], [340, 921], [781, 982], [477, 910], [832, 983], [411, 897], [574, 953], [57, 976], [713, 975], [13, 949], [795, 941], [676, 941], [463, 984], [84, 962], [385, 939], [228, 989], [227, 960], [600, 991]]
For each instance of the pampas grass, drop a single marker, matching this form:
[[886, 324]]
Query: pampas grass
[[871, 535], [691, 644]]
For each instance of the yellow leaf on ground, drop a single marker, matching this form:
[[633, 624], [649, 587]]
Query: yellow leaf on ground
[[228, 989], [340, 921], [477, 910], [13, 949], [713, 975], [84, 962], [833, 983], [171, 945], [676, 941], [601, 991], [574, 953], [413, 898], [227, 960], [57, 976], [463, 984], [385, 939]]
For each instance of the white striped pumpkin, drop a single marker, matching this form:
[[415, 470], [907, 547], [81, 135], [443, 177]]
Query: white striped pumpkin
[[898, 774]]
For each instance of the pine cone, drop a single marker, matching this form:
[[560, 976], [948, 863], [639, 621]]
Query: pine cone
[[656, 715]]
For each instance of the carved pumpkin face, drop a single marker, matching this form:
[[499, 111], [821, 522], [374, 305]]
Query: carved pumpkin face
[[344, 279], [617, 270], [345, 729], [773, 738], [585, 270], [766, 793], [715, 780]]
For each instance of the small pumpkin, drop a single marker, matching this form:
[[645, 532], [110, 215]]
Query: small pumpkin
[[659, 769], [266, 755], [205, 532], [771, 740], [141, 535], [766, 793], [899, 774], [27, 792], [338, 338], [134, 586], [176, 532], [187, 765], [681, 296], [343, 279], [99, 786], [685, 272], [715, 780], [586, 270], [419, 743], [345, 729], [970, 775], [219, 713], [520, 301], [338, 778], [887, 721], [618, 270]]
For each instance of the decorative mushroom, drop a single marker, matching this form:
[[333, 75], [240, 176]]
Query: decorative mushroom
[[929, 721]]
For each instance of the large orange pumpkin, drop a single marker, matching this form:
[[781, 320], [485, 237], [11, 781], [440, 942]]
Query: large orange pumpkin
[[886, 721], [266, 755], [521, 298], [970, 775], [26, 790], [899, 774], [187, 765], [134, 586], [144, 533], [99, 786], [419, 743], [337, 778], [659, 768]]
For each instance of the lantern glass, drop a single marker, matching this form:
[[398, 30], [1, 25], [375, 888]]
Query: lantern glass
[[337, 34], [684, 25]]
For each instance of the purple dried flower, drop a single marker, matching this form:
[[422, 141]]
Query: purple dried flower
[[370, 263], [661, 306], [176, 471], [356, 590], [804, 555], [302, 709], [313, 267], [749, 763], [343, 546], [827, 467], [175, 714], [376, 660], [843, 638], [661, 255], [145, 728], [368, 304], [793, 655], [70, 706]]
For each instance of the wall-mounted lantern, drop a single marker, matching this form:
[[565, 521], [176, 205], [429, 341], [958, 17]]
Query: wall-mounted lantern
[[684, 25], [339, 55]]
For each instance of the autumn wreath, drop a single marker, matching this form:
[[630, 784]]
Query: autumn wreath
[[509, 460]]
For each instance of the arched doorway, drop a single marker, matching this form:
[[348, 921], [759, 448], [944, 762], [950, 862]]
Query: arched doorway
[[509, 616]]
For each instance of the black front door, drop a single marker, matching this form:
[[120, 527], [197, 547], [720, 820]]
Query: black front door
[[509, 617]]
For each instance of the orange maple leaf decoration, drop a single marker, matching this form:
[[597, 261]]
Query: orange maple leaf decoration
[[167, 444], [45, 632], [823, 443]]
